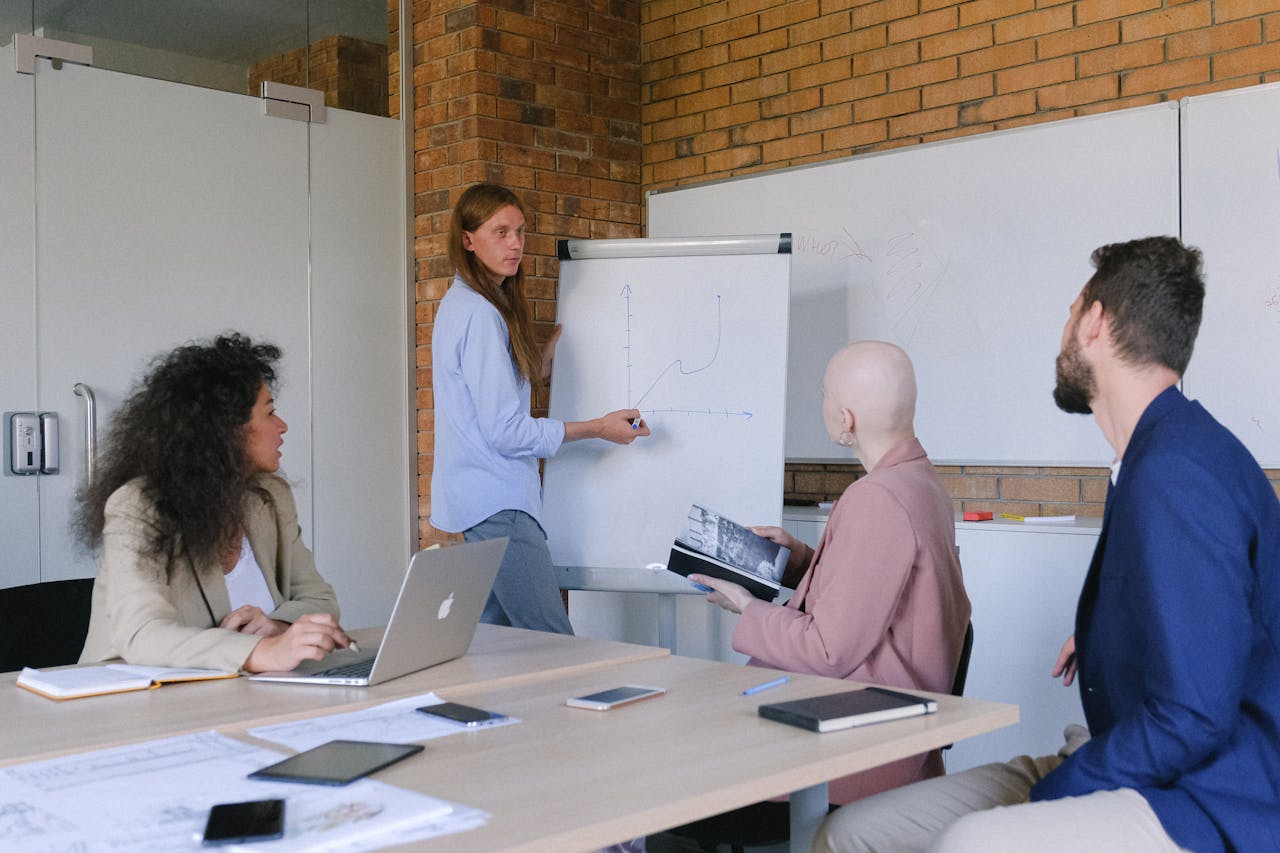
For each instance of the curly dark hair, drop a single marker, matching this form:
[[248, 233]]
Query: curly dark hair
[[181, 431]]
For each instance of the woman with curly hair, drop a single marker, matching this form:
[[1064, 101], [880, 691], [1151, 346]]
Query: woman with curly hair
[[484, 363], [200, 557]]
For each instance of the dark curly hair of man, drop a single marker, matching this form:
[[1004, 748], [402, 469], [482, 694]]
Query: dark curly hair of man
[[181, 431]]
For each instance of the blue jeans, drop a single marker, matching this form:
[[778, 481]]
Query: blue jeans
[[526, 594]]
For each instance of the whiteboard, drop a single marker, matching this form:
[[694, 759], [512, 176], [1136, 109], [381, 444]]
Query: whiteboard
[[1231, 210], [699, 345], [968, 254]]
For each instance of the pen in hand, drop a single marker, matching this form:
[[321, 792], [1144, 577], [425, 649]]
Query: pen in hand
[[760, 688]]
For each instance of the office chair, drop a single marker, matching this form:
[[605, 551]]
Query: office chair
[[44, 624], [768, 823]]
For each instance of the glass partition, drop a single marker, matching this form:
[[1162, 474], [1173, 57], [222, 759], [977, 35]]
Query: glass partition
[[337, 46]]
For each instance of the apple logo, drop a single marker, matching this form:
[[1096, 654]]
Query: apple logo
[[445, 607]]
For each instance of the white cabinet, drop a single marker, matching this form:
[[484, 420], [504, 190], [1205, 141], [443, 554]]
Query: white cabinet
[[1023, 581]]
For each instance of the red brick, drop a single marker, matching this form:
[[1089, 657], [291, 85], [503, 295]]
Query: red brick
[[924, 121], [1078, 39], [923, 73], [1178, 19], [855, 136], [1121, 57], [883, 11], [1250, 60], [996, 58], [924, 25], [894, 56], [1211, 40], [1166, 76], [865, 86], [1089, 11], [981, 11], [789, 14], [998, 108], [1078, 92], [1034, 24], [960, 41], [958, 91], [1036, 75], [896, 104], [793, 147], [1232, 10], [821, 119]]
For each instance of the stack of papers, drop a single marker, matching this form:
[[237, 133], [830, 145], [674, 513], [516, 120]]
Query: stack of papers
[[156, 795]]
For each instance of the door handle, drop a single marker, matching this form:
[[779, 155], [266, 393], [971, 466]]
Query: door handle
[[90, 429]]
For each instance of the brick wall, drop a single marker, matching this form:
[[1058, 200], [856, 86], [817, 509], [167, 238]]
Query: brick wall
[[582, 106], [543, 97], [743, 86]]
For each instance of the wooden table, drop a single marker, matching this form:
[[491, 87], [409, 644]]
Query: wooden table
[[35, 726], [564, 779], [567, 779]]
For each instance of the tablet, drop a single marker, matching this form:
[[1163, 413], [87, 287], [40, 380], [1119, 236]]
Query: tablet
[[337, 762]]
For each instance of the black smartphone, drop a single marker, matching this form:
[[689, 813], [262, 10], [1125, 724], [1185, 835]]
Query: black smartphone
[[337, 762], [237, 823], [464, 714]]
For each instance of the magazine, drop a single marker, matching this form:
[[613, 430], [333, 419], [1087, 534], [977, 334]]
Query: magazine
[[711, 544]]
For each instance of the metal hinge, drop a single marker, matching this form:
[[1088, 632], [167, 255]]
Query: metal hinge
[[27, 47], [295, 102]]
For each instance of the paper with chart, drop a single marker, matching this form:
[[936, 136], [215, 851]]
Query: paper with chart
[[393, 722], [155, 796], [699, 345]]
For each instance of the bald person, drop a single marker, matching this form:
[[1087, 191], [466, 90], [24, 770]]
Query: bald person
[[882, 599]]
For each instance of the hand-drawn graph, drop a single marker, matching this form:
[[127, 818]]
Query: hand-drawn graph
[[679, 365]]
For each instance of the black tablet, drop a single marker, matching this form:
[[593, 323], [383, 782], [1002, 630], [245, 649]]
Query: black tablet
[[337, 762]]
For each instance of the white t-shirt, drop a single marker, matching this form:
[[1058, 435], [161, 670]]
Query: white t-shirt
[[246, 583]]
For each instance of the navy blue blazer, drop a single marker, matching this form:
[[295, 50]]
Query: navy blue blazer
[[1178, 636]]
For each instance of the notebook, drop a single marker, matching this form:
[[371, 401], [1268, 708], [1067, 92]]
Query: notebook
[[433, 620], [836, 711]]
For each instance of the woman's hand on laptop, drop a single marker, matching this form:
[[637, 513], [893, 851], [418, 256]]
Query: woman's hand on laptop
[[251, 620], [310, 638]]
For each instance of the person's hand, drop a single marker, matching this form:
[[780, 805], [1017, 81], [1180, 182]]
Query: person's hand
[[729, 595], [310, 638], [623, 426], [1066, 664], [251, 620], [799, 558], [549, 352]]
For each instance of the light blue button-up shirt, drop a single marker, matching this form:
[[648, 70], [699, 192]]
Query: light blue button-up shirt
[[487, 445]]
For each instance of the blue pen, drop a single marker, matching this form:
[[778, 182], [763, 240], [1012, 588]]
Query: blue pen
[[760, 688]]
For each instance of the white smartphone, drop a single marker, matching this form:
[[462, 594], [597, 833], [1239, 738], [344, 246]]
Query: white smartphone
[[607, 699]]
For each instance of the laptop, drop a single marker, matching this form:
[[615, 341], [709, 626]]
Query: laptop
[[433, 620]]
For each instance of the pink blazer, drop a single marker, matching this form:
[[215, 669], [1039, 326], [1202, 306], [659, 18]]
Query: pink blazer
[[882, 602]]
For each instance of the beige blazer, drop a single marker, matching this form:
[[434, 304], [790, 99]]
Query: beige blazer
[[146, 614]]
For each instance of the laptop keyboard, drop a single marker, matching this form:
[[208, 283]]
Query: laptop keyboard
[[355, 669]]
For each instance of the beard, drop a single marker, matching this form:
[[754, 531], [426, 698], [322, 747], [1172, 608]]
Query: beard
[[1075, 386]]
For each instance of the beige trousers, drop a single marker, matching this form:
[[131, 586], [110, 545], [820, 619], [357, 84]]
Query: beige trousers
[[987, 809]]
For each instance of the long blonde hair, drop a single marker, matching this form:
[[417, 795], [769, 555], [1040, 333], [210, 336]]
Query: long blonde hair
[[477, 204]]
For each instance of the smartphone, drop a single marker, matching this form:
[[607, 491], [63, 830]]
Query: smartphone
[[337, 762], [607, 699], [240, 823], [464, 714]]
